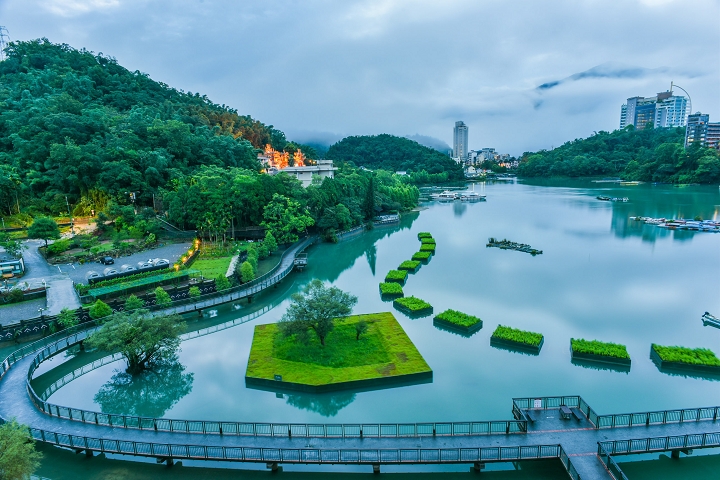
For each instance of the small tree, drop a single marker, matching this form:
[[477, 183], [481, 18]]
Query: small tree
[[140, 337], [252, 257], [99, 309], [18, 457], [162, 298], [194, 292], [133, 302], [221, 283], [12, 247], [270, 242], [67, 318], [360, 328], [44, 228], [247, 272], [316, 308]]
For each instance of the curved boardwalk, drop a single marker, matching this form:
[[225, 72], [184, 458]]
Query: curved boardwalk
[[584, 442]]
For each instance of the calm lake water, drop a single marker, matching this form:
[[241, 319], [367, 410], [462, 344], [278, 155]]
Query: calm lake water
[[601, 276]]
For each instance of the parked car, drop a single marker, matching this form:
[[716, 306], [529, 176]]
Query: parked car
[[107, 260]]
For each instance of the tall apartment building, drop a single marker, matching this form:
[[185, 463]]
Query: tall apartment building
[[700, 130], [663, 110], [460, 141]]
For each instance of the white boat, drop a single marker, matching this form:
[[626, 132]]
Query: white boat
[[471, 197], [446, 196]]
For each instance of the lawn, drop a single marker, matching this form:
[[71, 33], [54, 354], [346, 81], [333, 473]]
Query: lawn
[[410, 265], [211, 267], [517, 336], [422, 235], [688, 356], [398, 276], [381, 353], [427, 247], [458, 319], [594, 347], [413, 306], [391, 288]]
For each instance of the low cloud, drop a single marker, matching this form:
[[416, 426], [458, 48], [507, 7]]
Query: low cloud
[[607, 70]]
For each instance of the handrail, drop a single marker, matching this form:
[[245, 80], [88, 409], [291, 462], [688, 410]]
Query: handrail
[[660, 444], [354, 456], [567, 463]]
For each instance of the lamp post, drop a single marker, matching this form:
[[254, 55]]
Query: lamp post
[[686, 93]]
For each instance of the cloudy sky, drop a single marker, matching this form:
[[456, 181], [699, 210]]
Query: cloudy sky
[[321, 69]]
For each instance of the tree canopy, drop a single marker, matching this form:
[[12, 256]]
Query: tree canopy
[[141, 338], [316, 308], [44, 228], [18, 458], [651, 155], [393, 153]]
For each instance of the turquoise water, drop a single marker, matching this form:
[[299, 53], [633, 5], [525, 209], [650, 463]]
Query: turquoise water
[[601, 276]]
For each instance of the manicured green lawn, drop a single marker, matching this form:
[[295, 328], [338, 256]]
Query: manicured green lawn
[[595, 347], [458, 318], [422, 235], [427, 247], [518, 336], [690, 356], [211, 267], [428, 241], [411, 265], [422, 256], [396, 276], [391, 288], [412, 304], [383, 351]]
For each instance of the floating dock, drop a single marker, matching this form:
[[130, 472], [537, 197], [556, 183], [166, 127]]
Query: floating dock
[[711, 320], [682, 224], [508, 245]]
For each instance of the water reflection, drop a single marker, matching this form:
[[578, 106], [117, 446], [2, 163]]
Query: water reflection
[[600, 366], [371, 255], [149, 394], [459, 209], [326, 404]]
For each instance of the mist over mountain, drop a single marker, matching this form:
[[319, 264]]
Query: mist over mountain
[[430, 142]]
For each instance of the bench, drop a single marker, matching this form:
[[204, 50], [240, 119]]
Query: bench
[[577, 413], [530, 415], [565, 412]]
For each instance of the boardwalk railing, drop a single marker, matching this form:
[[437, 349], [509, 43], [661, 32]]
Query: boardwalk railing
[[305, 455], [611, 464], [567, 463]]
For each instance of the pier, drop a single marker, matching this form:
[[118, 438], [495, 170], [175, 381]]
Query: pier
[[711, 320], [508, 245], [681, 224]]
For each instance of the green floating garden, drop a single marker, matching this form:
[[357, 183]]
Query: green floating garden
[[519, 339], [410, 265], [422, 256], [384, 355], [391, 289], [594, 350], [699, 359], [413, 306], [458, 321], [427, 247], [428, 241], [398, 276], [422, 235]]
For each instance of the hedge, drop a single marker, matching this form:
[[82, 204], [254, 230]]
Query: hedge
[[412, 304]]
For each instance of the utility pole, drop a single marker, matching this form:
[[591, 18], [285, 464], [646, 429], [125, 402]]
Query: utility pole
[[72, 225], [4, 39]]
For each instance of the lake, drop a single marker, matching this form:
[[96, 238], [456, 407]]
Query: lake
[[601, 276]]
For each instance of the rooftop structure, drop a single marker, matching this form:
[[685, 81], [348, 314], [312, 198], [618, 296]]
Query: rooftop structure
[[10, 266], [322, 169]]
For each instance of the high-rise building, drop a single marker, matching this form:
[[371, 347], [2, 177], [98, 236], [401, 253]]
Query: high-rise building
[[460, 141], [700, 130], [663, 110]]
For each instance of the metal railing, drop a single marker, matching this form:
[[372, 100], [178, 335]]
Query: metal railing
[[571, 401], [611, 464], [300, 455], [567, 463], [660, 444]]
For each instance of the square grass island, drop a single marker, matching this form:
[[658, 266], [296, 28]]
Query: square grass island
[[383, 356], [682, 358], [596, 351], [458, 322], [518, 340]]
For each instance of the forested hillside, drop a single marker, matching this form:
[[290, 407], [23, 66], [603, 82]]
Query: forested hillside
[[396, 153], [651, 155], [78, 124]]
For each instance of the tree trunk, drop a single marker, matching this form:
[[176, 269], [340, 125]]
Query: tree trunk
[[322, 340]]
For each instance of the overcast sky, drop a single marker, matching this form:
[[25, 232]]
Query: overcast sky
[[320, 69]]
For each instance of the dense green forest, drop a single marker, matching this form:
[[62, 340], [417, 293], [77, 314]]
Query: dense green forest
[[650, 155], [392, 153], [77, 124]]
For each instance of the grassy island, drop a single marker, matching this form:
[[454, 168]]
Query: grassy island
[[410, 265], [462, 322], [422, 256], [422, 235], [428, 241], [700, 359], [398, 276], [391, 289], [515, 338], [413, 306], [427, 247], [595, 350], [382, 355]]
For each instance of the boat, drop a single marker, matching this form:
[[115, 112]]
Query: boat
[[471, 197], [446, 196], [613, 199]]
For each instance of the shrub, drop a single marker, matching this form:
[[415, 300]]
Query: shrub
[[421, 256], [427, 241], [99, 309], [252, 257], [595, 347], [391, 288], [413, 304], [263, 251], [15, 295], [458, 318], [519, 336], [194, 292], [427, 247], [67, 318], [409, 265], [222, 283], [422, 235], [270, 242], [58, 247], [162, 298], [133, 302], [247, 272], [690, 356], [396, 276]]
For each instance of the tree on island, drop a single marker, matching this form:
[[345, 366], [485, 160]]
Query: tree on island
[[44, 228], [316, 308], [141, 338], [18, 457]]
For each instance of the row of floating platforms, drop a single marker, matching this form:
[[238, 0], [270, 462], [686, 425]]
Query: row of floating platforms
[[681, 224]]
